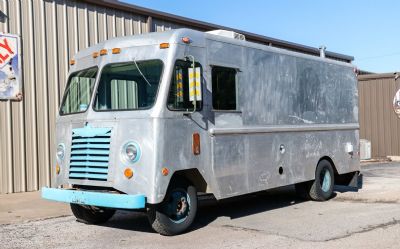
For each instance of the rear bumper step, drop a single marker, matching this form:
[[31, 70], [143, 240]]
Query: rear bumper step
[[99, 199]]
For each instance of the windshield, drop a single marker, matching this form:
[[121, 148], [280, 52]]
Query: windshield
[[79, 90], [128, 86]]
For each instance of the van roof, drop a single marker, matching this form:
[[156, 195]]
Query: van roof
[[175, 36]]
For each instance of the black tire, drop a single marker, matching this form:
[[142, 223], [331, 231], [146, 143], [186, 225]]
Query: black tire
[[177, 212], [321, 188], [91, 214]]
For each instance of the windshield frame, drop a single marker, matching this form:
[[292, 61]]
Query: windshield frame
[[126, 62], [69, 85]]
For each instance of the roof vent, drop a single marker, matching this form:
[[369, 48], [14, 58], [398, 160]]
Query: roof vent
[[227, 33], [322, 50]]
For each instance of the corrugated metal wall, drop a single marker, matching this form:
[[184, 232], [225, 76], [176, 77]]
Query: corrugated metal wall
[[160, 25], [51, 33], [378, 122]]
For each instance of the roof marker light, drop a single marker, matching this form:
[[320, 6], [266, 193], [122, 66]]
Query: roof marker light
[[95, 54], [72, 62], [103, 52], [164, 45], [186, 40], [116, 50]]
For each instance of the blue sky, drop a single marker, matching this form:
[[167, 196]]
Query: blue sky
[[368, 30]]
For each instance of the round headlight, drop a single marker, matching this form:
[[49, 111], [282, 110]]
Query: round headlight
[[60, 152], [131, 152]]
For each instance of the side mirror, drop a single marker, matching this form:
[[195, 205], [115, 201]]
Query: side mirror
[[194, 84]]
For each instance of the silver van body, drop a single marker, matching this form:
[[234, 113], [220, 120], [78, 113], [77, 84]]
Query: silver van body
[[292, 111]]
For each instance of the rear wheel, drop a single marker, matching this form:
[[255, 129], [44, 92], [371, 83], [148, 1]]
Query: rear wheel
[[91, 214], [177, 212], [320, 189]]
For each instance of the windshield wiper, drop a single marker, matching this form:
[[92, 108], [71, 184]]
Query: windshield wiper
[[141, 73]]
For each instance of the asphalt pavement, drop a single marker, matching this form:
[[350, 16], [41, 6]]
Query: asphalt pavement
[[369, 218]]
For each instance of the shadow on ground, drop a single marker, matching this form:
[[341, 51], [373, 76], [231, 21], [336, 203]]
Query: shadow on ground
[[210, 209]]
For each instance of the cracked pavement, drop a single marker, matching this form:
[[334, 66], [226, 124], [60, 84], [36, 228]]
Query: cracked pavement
[[369, 218]]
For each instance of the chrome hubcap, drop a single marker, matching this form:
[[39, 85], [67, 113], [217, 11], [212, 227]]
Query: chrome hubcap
[[326, 180], [178, 206]]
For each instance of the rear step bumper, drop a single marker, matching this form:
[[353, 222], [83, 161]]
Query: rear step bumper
[[99, 199]]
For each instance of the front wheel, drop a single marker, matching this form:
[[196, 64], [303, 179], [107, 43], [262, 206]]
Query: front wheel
[[91, 214], [177, 212]]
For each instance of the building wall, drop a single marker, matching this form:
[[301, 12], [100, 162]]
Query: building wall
[[378, 122], [51, 33]]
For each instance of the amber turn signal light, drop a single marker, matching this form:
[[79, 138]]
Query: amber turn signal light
[[164, 171], [164, 45], [58, 169], [196, 144], [116, 50], [103, 52], [128, 173]]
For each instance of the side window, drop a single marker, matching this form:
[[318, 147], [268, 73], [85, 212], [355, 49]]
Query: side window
[[178, 97], [224, 88], [79, 90]]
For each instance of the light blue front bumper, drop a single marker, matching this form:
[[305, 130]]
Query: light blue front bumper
[[95, 198]]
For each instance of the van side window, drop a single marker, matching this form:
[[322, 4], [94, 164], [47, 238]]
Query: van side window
[[224, 88], [178, 97]]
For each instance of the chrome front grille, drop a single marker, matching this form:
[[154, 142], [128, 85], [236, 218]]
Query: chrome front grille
[[90, 152]]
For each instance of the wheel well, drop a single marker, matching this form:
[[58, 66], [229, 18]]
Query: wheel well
[[332, 163], [346, 179], [193, 176]]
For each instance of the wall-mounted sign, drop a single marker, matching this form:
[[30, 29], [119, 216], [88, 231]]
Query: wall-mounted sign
[[10, 67], [396, 103]]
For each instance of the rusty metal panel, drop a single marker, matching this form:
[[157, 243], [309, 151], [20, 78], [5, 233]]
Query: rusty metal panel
[[51, 31], [378, 122]]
